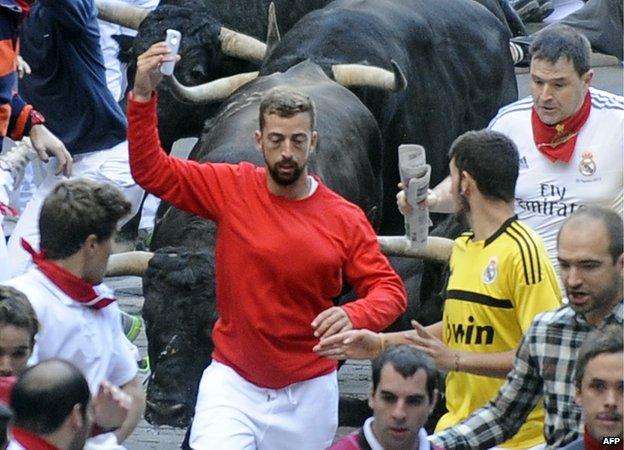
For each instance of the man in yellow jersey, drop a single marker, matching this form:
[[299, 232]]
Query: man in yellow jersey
[[501, 277]]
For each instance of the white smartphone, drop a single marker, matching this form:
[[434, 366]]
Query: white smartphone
[[173, 42]]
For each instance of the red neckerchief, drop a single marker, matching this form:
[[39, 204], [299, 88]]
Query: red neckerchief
[[29, 440], [8, 210], [6, 387], [557, 142], [592, 444], [75, 287]]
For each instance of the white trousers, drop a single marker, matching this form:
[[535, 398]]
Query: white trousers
[[234, 414], [104, 166]]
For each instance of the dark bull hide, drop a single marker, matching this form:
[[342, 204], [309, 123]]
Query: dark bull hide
[[178, 320], [202, 58]]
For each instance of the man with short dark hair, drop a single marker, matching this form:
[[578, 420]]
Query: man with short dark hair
[[403, 394], [50, 403], [569, 137], [599, 377], [500, 279], [60, 41], [285, 245], [592, 263], [78, 314]]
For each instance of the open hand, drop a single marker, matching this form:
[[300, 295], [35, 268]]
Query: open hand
[[47, 144], [353, 344], [111, 406], [443, 356]]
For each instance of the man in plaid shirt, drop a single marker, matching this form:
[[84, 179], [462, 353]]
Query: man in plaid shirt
[[590, 255]]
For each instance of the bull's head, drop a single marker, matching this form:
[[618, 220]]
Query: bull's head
[[209, 51], [237, 45], [179, 314]]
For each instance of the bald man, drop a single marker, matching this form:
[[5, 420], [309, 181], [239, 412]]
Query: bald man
[[52, 408], [589, 247]]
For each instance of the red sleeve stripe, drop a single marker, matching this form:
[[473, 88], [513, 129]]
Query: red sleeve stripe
[[8, 57], [5, 115], [18, 130]]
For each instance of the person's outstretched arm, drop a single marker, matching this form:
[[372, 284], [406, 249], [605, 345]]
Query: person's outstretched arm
[[503, 416], [188, 185]]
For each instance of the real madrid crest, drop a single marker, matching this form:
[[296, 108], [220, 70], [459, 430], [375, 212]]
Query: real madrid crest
[[587, 166], [491, 270]]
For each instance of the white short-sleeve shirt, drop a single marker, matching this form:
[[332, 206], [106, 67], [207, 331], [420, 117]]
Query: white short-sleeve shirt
[[548, 192], [91, 339]]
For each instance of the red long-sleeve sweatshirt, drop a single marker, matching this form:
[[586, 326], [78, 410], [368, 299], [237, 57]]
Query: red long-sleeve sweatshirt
[[279, 262]]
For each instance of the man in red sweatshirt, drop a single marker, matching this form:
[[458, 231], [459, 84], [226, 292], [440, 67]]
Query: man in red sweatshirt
[[295, 241]]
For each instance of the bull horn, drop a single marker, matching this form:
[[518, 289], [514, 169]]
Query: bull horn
[[438, 249], [241, 46], [273, 33], [121, 13], [213, 91], [360, 75], [129, 263]]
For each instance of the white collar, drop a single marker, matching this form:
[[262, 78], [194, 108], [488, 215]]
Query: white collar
[[313, 185], [101, 289], [421, 444]]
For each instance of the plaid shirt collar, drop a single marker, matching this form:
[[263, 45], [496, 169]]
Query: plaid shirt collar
[[614, 317], [544, 368]]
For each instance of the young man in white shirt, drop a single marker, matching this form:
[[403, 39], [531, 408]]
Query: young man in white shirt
[[78, 314]]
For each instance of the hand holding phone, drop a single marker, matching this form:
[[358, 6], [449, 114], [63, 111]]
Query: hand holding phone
[[173, 43]]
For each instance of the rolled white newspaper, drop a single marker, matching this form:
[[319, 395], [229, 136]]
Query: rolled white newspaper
[[415, 175]]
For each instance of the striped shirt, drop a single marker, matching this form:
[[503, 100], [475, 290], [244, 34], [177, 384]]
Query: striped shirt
[[543, 368]]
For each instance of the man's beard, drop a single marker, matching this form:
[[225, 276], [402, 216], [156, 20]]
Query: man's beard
[[80, 438], [463, 209], [281, 179]]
